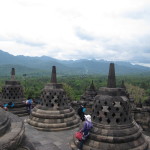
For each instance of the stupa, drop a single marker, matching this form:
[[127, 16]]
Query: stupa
[[12, 133], [113, 125], [12, 91], [89, 94], [54, 113], [142, 115], [86, 99], [127, 94]]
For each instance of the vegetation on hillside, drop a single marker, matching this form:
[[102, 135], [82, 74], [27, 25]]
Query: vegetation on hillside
[[138, 86]]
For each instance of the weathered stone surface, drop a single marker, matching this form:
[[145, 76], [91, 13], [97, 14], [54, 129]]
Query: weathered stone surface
[[114, 128], [89, 94], [142, 115], [51, 140], [12, 91], [111, 77], [54, 113], [11, 131]]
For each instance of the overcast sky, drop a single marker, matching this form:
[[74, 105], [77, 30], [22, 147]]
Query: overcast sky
[[77, 29]]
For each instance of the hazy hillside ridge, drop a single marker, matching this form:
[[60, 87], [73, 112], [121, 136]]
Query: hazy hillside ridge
[[42, 66]]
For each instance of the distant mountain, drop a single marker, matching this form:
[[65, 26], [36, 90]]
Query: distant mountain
[[42, 66], [101, 67], [20, 70]]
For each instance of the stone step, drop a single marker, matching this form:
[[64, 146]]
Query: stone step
[[18, 105], [18, 111], [24, 114]]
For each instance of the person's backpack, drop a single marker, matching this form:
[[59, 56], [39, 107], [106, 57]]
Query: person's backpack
[[83, 110]]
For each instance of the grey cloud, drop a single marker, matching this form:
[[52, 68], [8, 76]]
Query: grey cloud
[[83, 35], [2, 38], [24, 41], [143, 13], [147, 50], [140, 59], [136, 50]]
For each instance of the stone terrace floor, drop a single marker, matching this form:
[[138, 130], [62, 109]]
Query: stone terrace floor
[[43, 140]]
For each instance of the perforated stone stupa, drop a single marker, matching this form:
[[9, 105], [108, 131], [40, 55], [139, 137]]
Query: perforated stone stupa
[[89, 94], [54, 113], [12, 133], [86, 99], [114, 127], [12, 91], [142, 115]]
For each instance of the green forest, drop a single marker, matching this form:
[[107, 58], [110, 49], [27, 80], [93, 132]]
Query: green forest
[[138, 86]]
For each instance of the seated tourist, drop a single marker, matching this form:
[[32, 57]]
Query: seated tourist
[[87, 126], [5, 106], [11, 105]]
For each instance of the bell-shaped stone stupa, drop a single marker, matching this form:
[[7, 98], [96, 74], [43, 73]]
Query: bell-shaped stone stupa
[[12, 92], [86, 99], [12, 133], [142, 115], [114, 127], [54, 113], [89, 94]]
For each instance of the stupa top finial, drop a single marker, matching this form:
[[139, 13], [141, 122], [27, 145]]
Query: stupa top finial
[[123, 85], [111, 77], [53, 76], [92, 87], [13, 74]]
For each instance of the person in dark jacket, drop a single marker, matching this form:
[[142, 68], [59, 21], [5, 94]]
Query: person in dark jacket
[[81, 112], [87, 126]]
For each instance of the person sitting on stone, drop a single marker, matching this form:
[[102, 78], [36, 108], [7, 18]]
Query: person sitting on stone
[[87, 126], [81, 112], [5, 107], [11, 105], [29, 104]]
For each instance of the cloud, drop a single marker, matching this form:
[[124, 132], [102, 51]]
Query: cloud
[[83, 35], [21, 40], [142, 13], [24, 41], [78, 29]]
